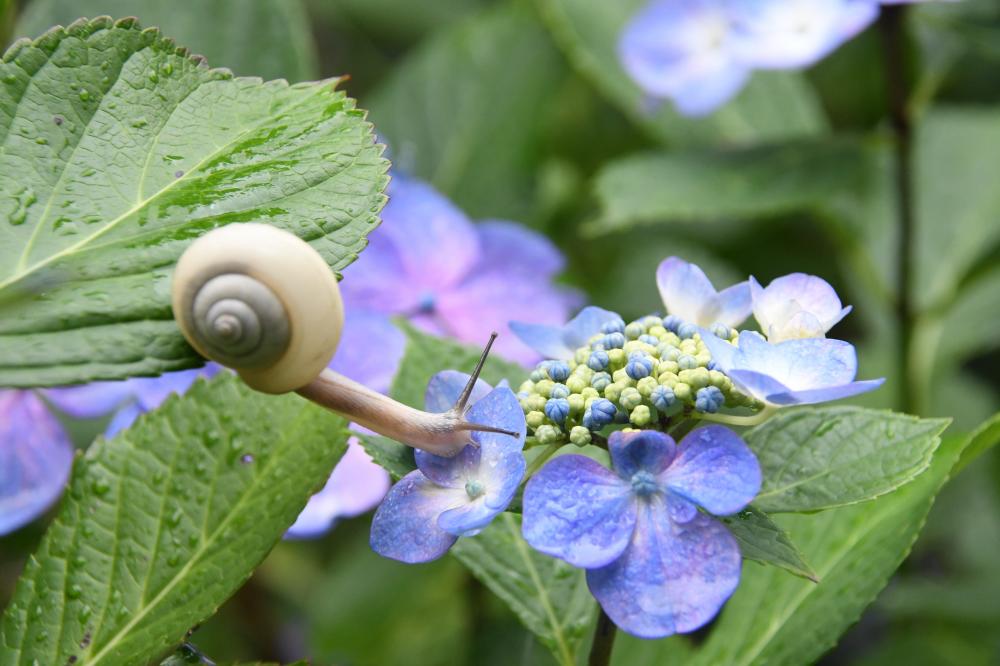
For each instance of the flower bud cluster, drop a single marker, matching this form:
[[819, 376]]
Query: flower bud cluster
[[636, 373]]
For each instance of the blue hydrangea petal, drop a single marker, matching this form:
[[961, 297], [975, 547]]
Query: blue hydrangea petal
[[450, 472], [672, 578], [370, 350], [123, 419], [812, 396], [725, 354], [715, 469], [405, 526], [685, 290], [467, 519], [718, 83], [757, 384], [578, 510], [36, 457], [640, 450], [503, 479], [801, 364], [788, 295], [510, 248], [444, 389], [561, 342], [89, 401], [586, 324], [734, 305], [500, 409]]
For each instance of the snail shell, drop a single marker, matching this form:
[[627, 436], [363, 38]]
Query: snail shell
[[261, 301]]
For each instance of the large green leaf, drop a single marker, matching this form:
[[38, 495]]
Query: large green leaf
[[762, 540], [550, 597], [778, 619], [266, 38], [695, 186], [164, 522], [774, 105], [463, 110], [118, 149], [816, 459]]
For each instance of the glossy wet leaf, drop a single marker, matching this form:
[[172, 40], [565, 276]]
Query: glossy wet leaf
[[118, 149], [775, 105], [164, 522], [821, 458], [230, 33], [762, 540], [549, 596]]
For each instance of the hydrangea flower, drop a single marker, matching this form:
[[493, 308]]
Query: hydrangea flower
[[688, 294], [685, 51], [427, 261], [561, 342], [36, 456], [796, 306], [655, 563], [793, 372], [446, 498]]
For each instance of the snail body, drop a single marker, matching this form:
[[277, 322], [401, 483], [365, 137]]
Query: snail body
[[263, 302]]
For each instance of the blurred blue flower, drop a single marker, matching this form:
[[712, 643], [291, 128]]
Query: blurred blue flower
[[445, 498], [793, 372], [35, 459], [655, 563], [561, 342], [428, 262], [687, 293], [796, 306]]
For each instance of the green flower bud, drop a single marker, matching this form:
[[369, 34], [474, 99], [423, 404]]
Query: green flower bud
[[576, 403], [576, 384], [696, 378], [527, 386], [682, 392], [535, 420], [667, 379], [646, 386], [548, 434], [719, 380], [704, 358], [581, 355], [635, 346], [657, 331], [688, 346], [613, 391], [583, 372], [640, 416], [634, 330], [666, 366], [620, 376], [590, 393], [579, 436], [544, 387], [617, 359], [535, 403], [629, 399]]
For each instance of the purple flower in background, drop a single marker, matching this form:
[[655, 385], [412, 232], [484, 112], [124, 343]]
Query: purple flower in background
[[35, 459], [683, 50], [446, 498], [796, 306], [427, 261], [794, 372], [561, 342], [688, 294], [655, 563], [788, 34]]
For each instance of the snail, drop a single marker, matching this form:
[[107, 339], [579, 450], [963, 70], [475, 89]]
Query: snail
[[263, 302]]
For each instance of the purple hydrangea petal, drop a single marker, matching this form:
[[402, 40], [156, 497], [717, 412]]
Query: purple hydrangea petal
[[510, 248], [672, 577], [548, 341], [450, 472], [370, 350], [812, 396], [640, 450], [715, 469], [719, 81], [36, 457], [356, 486], [686, 291], [405, 526], [578, 510], [444, 389], [378, 280], [786, 34], [123, 419], [89, 401]]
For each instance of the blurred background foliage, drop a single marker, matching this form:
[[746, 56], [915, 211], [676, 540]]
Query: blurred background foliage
[[519, 110]]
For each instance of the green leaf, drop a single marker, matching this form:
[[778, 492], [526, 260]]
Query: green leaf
[[550, 597], [427, 355], [395, 458], [820, 458], [778, 619], [695, 186], [266, 38], [775, 105], [763, 541], [118, 150], [462, 111], [982, 439], [164, 522]]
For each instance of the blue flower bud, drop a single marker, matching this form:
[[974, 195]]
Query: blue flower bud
[[639, 366], [712, 365], [588, 421], [616, 326], [662, 398], [559, 391], [709, 399], [634, 330], [598, 360], [687, 362], [613, 341], [672, 322], [720, 330], [557, 409], [649, 340], [602, 412], [687, 330], [600, 380], [558, 371]]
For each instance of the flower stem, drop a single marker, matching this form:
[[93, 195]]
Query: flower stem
[[604, 641], [893, 29], [730, 419], [542, 458]]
